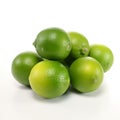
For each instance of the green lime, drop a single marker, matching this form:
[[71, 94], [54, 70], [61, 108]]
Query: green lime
[[103, 54], [49, 79], [86, 74], [80, 45], [22, 65], [53, 44]]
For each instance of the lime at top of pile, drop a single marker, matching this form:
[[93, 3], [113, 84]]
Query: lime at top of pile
[[53, 44]]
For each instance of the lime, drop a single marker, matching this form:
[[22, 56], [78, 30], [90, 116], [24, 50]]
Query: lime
[[86, 74], [80, 45], [22, 65], [53, 44], [49, 79], [103, 54]]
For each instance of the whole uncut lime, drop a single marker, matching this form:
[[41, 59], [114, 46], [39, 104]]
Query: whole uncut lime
[[86, 74], [103, 54], [22, 65], [80, 47], [53, 44], [49, 79]]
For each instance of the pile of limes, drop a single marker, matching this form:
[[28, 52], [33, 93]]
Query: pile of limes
[[62, 59]]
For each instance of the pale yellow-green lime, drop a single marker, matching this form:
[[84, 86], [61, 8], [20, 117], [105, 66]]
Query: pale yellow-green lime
[[49, 79]]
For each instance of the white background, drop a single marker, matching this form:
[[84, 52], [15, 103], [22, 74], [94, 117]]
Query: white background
[[20, 22]]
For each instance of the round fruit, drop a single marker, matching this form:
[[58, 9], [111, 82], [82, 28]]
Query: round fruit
[[86, 74], [49, 79], [103, 54], [22, 65], [53, 43], [80, 45]]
